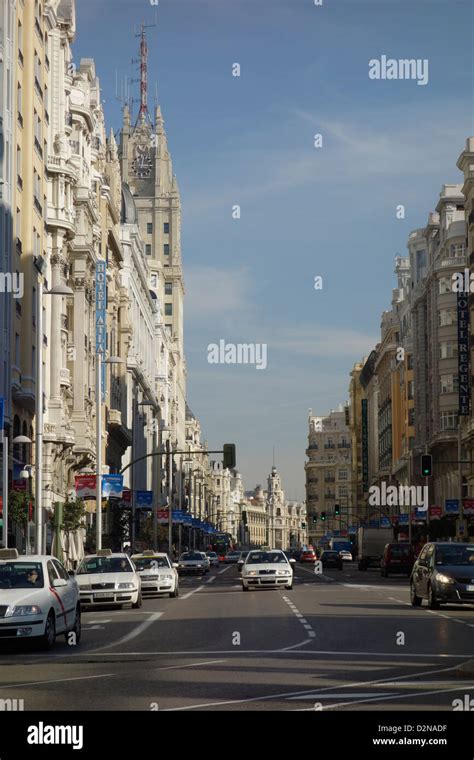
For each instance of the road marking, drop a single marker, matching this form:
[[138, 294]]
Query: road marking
[[398, 696], [303, 621], [190, 593], [313, 653], [294, 646], [433, 612], [308, 627], [317, 695], [311, 634], [95, 622], [133, 634], [224, 570], [92, 627], [56, 680], [308, 691], [190, 665], [209, 580]]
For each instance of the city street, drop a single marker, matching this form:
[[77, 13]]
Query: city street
[[330, 644]]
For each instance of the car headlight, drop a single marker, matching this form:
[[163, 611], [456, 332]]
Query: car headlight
[[166, 577], [282, 572], [443, 578], [252, 572], [126, 585], [26, 609], [85, 587]]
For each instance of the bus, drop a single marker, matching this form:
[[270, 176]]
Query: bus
[[220, 543]]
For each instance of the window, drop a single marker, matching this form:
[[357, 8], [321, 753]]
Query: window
[[33, 360], [448, 420], [154, 280], [19, 166], [447, 317], [169, 327], [168, 309], [448, 349], [168, 288], [17, 350], [148, 249], [18, 224], [445, 285], [343, 491], [19, 103], [342, 474], [20, 41], [166, 228], [448, 383], [411, 418], [457, 250], [149, 228], [166, 249], [411, 389]]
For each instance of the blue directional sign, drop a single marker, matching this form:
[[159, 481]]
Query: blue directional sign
[[144, 499], [451, 506], [112, 485]]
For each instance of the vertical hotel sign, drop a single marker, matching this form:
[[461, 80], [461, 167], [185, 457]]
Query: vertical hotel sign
[[463, 353], [365, 446], [100, 317]]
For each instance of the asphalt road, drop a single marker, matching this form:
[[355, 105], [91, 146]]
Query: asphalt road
[[346, 640]]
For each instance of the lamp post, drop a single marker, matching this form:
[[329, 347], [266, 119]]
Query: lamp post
[[57, 290], [26, 474], [98, 442]]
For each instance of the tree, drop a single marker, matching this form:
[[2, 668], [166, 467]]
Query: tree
[[72, 520]]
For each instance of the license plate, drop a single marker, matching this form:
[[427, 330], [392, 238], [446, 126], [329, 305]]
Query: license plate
[[104, 594], [469, 588]]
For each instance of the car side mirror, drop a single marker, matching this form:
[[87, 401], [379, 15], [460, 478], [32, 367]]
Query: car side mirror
[[59, 583], [71, 573], [175, 564], [292, 561]]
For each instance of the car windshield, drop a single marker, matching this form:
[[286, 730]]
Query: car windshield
[[453, 554], [400, 551], [105, 565], [21, 575], [211, 554], [150, 563], [330, 555], [191, 555], [256, 558]]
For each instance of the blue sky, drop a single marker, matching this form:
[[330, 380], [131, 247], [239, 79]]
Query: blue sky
[[304, 211]]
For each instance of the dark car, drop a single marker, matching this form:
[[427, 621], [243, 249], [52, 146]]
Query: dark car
[[296, 554], [331, 558], [397, 558], [241, 560], [444, 572]]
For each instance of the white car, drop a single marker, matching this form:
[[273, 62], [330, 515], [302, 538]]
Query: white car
[[345, 555], [38, 598], [108, 579], [213, 559], [207, 561], [192, 563], [267, 569], [158, 575]]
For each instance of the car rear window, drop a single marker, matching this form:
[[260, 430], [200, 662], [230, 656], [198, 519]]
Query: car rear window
[[399, 550]]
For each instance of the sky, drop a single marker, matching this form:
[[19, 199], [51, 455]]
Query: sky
[[305, 211]]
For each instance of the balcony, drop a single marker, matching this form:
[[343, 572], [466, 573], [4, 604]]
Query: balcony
[[329, 446], [114, 417], [313, 446], [329, 496], [343, 445], [65, 378], [329, 479]]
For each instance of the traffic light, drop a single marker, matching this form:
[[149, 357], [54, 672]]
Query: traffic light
[[303, 525], [315, 519], [229, 456], [323, 516], [244, 517], [337, 511], [426, 465]]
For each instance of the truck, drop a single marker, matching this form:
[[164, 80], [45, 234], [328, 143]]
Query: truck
[[370, 546], [340, 543]]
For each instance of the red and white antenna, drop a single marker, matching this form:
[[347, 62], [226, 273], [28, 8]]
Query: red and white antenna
[[143, 114]]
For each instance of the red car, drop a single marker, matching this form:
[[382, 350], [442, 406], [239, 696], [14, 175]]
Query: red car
[[221, 557], [308, 556]]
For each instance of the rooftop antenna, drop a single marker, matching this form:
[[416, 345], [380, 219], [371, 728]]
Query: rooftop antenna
[[143, 114]]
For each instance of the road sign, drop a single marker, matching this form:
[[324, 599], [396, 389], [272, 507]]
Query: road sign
[[451, 506], [460, 528], [112, 485], [468, 506]]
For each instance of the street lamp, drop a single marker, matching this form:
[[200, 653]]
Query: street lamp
[[25, 474], [98, 442]]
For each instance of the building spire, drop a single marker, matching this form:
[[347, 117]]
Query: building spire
[[143, 114]]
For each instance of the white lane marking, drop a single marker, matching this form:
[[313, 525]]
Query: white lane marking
[[313, 653], [311, 634], [56, 680], [212, 578], [133, 634], [307, 691], [224, 570], [190, 593], [298, 614], [433, 612], [294, 646], [96, 622], [190, 665], [92, 627], [317, 695], [308, 627], [303, 621], [398, 696]]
